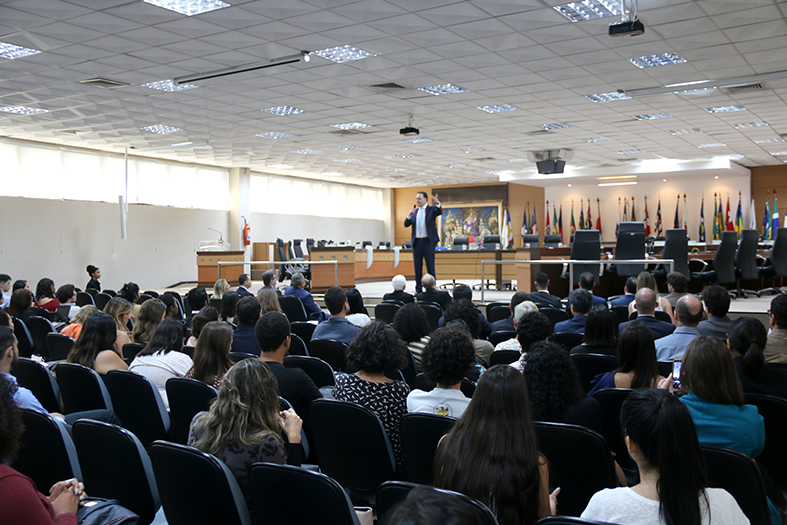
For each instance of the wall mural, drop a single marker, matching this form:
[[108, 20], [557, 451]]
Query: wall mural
[[469, 219]]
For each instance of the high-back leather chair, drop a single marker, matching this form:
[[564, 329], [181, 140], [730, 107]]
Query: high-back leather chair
[[676, 247], [491, 242], [38, 379], [420, 435], [630, 245], [746, 262], [778, 260], [187, 397], [723, 262], [458, 242], [586, 247], [81, 388], [58, 346], [138, 404]]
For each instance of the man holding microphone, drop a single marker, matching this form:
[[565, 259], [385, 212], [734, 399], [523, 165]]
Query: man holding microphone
[[424, 236]]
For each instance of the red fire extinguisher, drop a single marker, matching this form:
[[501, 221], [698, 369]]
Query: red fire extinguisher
[[246, 233]]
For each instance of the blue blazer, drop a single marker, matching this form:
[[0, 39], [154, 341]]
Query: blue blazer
[[243, 292], [622, 301], [575, 325], [431, 228], [659, 328]]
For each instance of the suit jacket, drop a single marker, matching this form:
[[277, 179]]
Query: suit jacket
[[244, 340], [596, 302], [622, 301], [431, 228], [545, 299], [574, 325], [659, 328], [401, 296], [243, 292], [306, 298], [269, 287], [717, 327], [504, 325], [440, 297]]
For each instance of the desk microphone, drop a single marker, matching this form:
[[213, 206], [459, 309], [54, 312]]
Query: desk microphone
[[221, 237]]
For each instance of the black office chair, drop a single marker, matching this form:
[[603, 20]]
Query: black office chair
[[530, 239], [39, 328], [81, 388], [187, 397], [611, 401], [586, 247], [459, 243], [196, 488], [138, 404], [391, 493], [58, 346], [778, 261], [774, 455], [567, 340], [304, 330], [39, 380], [420, 435], [309, 245], [630, 245], [215, 303], [723, 262], [495, 338], [24, 339], [622, 313], [287, 270], [746, 262], [497, 311], [422, 382], [85, 299], [296, 247], [676, 247], [664, 367], [293, 308], [552, 241], [240, 356], [580, 463], [504, 357], [297, 346], [115, 465], [433, 314], [62, 313], [330, 351], [739, 475], [101, 300], [318, 370], [555, 315], [145, 297], [93, 292], [491, 242], [385, 311], [591, 365], [130, 351]]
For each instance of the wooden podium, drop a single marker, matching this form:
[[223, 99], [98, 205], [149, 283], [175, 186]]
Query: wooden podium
[[208, 269], [323, 276]]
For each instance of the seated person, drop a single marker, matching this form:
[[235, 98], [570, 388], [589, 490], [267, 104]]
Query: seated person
[[67, 294], [198, 299], [776, 351], [541, 297], [507, 324], [628, 293], [531, 328], [601, 327], [95, 347], [646, 280], [270, 281], [337, 327], [5, 290], [747, 341], [432, 293], [588, 282], [637, 357], [579, 301], [412, 327], [212, 354], [717, 304], [199, 321], [244, 285], [466, 311], [358, 314], [520, 311], [448, 358], [45, 295], [462, 291], [688, 313], [297, 289], [676, 286], [173, 307], [78, 321], [399, 283], [247, 313], [19, 307], [130, 292], [646, 308]]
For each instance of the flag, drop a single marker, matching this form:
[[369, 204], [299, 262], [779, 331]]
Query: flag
[[685, 209], [620, 215], [625, 210], [598, 217], [525, 229], [766, 220], [547, 227], [589, 221], [775, 223], [507, 235], [659, 227], [533, 223], [739, 217], [716, 232], [702, 220], [573, 227], [560, 221], [721, 216], [647, 218], [581, 216], [555, 230], [752, 217], [633, 210], [729, 225], [677, 216]]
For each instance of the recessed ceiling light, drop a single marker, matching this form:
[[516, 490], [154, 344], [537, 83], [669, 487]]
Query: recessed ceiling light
[[683, 131], [629, 151], [744, 125], [22, 110], [454, 165], [664, 59], [472, 150], [189, 7], [444, 89], [498, 108], [607, 97], [161, 129], [348, 147], [556, 125], [778, 153], [589, 9], [332, 174], [346, 161], [632, 183], [344, 53], [284, 110], [711, 145], [616, 177], [168, 85], [663, 180], [274, 135], [596, 139], [652, 116], [517, 160], [724, 109], [279, 166], [716, 177], [496, 172], [351, 125], [769, 141], [406, 155], [569, 185], [11, 51], [306, 151], [398, 170], [418, 140]]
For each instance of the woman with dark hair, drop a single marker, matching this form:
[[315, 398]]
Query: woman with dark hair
[[359, 315], [211, 355], [199, 321], [130, 292], [45, 295], [746, 340], [555, 392], [601, 327], [95, 274], [374, 350], [22, 503], [95, 346], [19, 307], [163, 357], [673, 487], [173, 308], [150, 316], [466, 311], [637, 356], [228, 302], [412, 325], [491, 453], [428, 506]]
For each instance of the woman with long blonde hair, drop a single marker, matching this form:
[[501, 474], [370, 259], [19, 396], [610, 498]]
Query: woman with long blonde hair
[[120, 310], [150, 316]]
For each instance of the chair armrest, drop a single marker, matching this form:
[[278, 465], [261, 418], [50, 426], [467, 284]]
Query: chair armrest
[[763, 259], [704, 263]]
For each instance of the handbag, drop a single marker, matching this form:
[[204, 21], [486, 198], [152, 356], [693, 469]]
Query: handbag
[[99, 511]]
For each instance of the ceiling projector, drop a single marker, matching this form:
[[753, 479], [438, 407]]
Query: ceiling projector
[[626, 28], [409, 131]]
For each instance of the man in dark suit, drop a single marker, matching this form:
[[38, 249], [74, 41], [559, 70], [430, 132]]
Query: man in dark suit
[[629, 291], [399, 282], [541, 297], [247, 313], [424, 236], [244, 283], [269, 281], [580, 301], [588, 282], [717, 304], [645, 300], [507, 325], [431, 294]]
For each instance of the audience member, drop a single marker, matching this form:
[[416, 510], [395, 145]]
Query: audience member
[[95, 346], [462, 291], [198, 299], [747, 341], [507, 473], [646, 309], [244, 425], [601, 327], [676, 286], [412, 326], [173, 307], [269, 300], [150, 316], [95, 275], [244, 285], [776, 351], [427, 506], [21, 284], [269, 282], [717, 304], [399, 283], [163, 357], [21, 301], [199, 321], [555, 392], [358, 314], [646, 280], [228, 303], [374, 350], [531, 328], [637, 357], [337, 327], [67, 294], [5, 319], [297, 289], [130, 292], [247, 314], [448, 358], [211, 355], [432, 293], [464, 310], [588, 282], [219, 287], [5, 289], [541, 297], [519, 311], [672, 490], [688, 313], [580, 301], [628, 293], [78, 321], [120, 310], [45, 295], [507, 324]]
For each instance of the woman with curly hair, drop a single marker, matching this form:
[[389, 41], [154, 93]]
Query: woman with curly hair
[[45, 295], [555, 391], [244, 425], [466, 311], [95, 346], [412, 325], [150, 316], [374, 350], [637, 356]]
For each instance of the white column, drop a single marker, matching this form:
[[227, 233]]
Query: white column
[[240, 180]]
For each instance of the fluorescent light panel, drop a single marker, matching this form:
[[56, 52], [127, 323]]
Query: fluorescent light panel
[[405, 155], [589, 9], [11, 51], [652, 116], [607, 97], [348, 147], [498, 108], [472, 150], [344, 53], [556, 125], [744, 125], [596, 139], [168, 85], [189, 7], [346, 161], [664, 59], [306, 151], [769, 141], [398, 170], [454, 165], [22, 110], [284, 110], [351, 125], [711, 145], [629, 151], [684, 131], [631, 183], [418, 140], [161, 129], [443, 89], [617, 177], [274, 135], [724, 109]]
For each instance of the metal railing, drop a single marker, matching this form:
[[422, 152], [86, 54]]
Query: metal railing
[[281, 263]]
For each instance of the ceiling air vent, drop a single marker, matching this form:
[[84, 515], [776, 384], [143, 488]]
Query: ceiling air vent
[[387, 85], [104, 83], [757, 86]]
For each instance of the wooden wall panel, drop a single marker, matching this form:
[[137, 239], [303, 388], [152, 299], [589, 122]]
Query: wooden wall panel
[[518, 197], [763, 179]]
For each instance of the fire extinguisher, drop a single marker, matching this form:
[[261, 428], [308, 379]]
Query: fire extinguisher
[[246, 233]]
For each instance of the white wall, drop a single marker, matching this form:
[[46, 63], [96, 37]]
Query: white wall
[[266, 227]]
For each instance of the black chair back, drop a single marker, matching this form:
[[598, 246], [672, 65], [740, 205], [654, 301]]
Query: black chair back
[[93, 292], [195, 487], [341, 430], [420, 435], [385, 312], [391, 493], [187, 397], [491, 242], [555, 315], [567, 340], [39, 328], [304, 330], [47, 454], [39, 380], [62, 312], [85, 299], [586, 247], [81, 388], [297, 346], [746, 256], [495, 338], [774, 456], [101, 300], [591, 365], [58, 346], [580, 463], [144, 297], [138, 404], [459, 243], [296, 246], [318, 370], [240, 356], [422, 382], [530, 239], [115, 465], [676, 247], [130, 351], [330, 351], [724, 260], [215, 303], [111, 293], [23, 337], [552, 241], [293, 308], [778, 255], [622, 312], [497, 311], [665, 368], [433, 314], [630, 245], [504, 357], [739, 475], [611, 401]]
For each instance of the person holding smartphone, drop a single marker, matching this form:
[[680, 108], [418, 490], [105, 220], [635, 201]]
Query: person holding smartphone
[[424, 236]]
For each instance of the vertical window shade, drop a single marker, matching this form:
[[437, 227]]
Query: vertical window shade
[[47, 172], [285, 196]]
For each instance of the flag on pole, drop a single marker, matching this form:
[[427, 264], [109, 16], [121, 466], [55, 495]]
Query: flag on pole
[[647, 218], [573, 226], [676, 223], [598, 217], [589, 221], [507, 233], [625, 210], [659, 226], [775, 223], [766, 220], [633, 210], [533, 223], [727, 219], [702, 220], [525, 228], [722, 226], [547, 227], [739, 216], [716, 232], [581, 215], [555, 230], [685, 210], [752, 217], [620, 215], [560, 222]]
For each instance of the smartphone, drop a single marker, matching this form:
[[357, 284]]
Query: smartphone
[[676, 373]]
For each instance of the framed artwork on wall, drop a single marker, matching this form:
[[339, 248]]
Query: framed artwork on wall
[[469, 219]]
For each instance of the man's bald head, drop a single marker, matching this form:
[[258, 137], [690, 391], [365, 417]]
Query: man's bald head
[[645, 300], [688, 311], [428, 281]]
